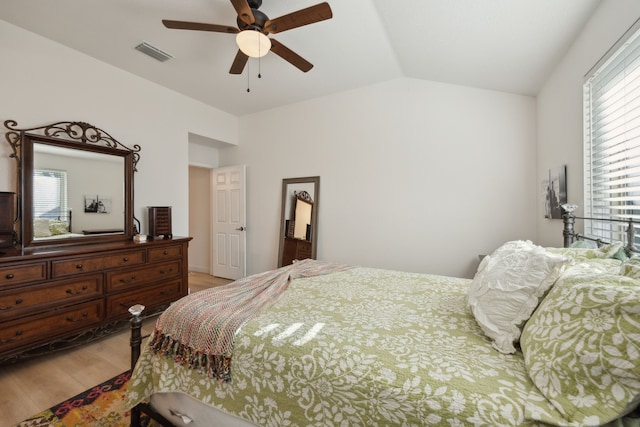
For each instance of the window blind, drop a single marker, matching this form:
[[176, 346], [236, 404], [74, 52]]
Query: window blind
[[612, 138], [50, 194]]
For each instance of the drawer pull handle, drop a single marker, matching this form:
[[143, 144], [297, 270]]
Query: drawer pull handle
[[9, 276], [79, 266], [125, 259], [128, 280], [84, 316], [74, 292], [165, 253], [166, 272], [7, 307], [18, 333]]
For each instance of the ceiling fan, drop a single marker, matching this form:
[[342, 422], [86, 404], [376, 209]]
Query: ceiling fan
[[252, 30]]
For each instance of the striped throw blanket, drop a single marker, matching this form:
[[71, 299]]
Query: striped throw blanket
[[198, 330]]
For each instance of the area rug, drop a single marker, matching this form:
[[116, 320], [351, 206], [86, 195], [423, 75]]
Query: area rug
[[100, 406]]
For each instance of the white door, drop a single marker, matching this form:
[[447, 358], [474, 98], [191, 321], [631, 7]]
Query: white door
[[229, 219]]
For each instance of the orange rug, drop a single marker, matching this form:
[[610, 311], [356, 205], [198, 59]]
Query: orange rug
[[100, 406]]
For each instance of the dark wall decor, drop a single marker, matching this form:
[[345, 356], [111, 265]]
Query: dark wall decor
[[555, 189]]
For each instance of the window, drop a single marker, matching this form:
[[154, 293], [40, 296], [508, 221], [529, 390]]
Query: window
[[50, 194], [612, 138]]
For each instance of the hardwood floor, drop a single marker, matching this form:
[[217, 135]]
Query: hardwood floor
[[31, 386]]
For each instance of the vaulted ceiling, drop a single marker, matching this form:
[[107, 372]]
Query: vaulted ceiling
[[503, 45]]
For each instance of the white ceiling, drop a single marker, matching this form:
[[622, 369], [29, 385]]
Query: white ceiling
[[504, 45]]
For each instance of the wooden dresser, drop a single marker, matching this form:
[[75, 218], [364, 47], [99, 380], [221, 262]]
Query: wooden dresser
[[295, 249], [51, 298]]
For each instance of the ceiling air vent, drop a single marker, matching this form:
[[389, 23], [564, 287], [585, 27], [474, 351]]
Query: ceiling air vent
[[153, 52]]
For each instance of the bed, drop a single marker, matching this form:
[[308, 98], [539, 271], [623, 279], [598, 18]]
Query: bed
[[540, 336]]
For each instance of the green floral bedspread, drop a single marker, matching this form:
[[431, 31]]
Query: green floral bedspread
[[364, 347]]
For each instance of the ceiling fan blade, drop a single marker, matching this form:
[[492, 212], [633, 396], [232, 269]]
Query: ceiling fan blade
[[239, 63], [290, 56], [306, 16], [182, 25], [244, 11]]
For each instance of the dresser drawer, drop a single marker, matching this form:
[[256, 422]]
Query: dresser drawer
[[23, 273], [168, 252], [118, 305], [21, 301], [45, 327], [117, 280], [304, 250], [97, 263]]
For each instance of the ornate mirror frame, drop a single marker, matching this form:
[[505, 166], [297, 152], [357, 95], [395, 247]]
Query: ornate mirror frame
[[311, 186], [69, 135]]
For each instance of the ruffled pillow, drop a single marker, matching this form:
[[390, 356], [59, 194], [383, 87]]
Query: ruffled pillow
[[41, 228], [508, 287]]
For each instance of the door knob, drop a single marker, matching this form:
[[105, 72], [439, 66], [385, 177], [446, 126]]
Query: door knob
[[241, 228]]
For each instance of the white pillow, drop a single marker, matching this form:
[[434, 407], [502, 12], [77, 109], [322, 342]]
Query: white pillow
[[41, 227], [507, 288]]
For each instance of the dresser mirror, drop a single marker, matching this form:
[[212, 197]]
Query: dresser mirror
[[299, 219], [75, 184]]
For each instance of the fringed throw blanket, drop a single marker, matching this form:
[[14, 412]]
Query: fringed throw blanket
[[198, 330]]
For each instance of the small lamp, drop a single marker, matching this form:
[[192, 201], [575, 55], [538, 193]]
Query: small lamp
[[253, 43]]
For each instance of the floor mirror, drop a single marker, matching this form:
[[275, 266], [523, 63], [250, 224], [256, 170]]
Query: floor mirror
[[299, 219]]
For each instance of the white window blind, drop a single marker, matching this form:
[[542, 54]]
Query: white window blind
[[50, 194], [612, 138]]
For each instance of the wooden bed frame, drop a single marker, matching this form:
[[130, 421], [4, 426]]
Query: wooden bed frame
[[568, 233], [136, 342]]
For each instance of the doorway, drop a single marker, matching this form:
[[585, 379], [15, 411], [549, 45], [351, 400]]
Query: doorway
[[217, 221], [200, 250]]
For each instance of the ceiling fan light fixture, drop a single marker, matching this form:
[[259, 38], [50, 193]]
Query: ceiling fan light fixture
[[253, 43]]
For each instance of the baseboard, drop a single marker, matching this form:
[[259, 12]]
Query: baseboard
[[199, 269]]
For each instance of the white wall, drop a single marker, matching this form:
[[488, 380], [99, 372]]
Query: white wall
[[42, 82], [559, 106], [414, 175], [203, 152]]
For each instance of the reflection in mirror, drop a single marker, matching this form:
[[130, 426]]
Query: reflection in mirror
[[73, 190], [299, 219], [302, 216], [69, 200]]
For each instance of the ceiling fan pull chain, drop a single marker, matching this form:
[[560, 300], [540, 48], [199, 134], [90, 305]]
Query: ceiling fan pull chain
[[248, 76], [259, 62]]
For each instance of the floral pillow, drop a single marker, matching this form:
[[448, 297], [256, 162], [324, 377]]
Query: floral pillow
[[604, 265], [58, 227], [581, 346], [631, 267], [508, 287], [582, 254]]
